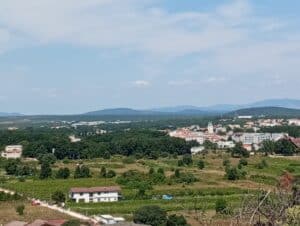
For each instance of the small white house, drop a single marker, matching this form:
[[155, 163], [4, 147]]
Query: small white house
[[108, 219], [196, 150], [95, 194], [12, 152]]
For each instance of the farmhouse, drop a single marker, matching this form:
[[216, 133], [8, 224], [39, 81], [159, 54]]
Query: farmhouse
[[95, 194], [12, 152]]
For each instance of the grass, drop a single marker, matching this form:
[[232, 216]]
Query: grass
[[129, 206], [202, 194], [31, 213]]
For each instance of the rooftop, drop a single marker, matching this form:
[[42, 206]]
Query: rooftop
[[96, 189]]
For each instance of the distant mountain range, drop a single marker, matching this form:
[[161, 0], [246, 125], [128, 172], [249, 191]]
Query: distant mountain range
[[266, 111], [265, 107], [5, 114]]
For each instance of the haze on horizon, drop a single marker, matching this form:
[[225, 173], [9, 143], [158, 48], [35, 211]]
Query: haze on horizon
[[71, 56]]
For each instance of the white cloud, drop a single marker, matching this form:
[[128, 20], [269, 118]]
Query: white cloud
[[127, 25], [141, 83]]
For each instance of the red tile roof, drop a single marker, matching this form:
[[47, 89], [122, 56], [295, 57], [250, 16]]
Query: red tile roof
[[296, 141], [96, 189]]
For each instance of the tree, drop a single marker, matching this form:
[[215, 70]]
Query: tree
[[47, 158], [150, 215], [268, 147], [208, 145], [58, 197], [177, 173], [243, 162], [111, 174], [285, 147], [63, 173], [239, 151], [11, 166], [106, 155], [221, 206], [82, 171], [201, 164], [20, 209], [175, 220], [187, 159], [46, 171], [232, 174], [103, 172]]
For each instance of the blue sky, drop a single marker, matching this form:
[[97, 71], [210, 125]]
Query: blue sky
[[74, 56]]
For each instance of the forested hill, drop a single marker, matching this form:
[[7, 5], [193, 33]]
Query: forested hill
[[267, 111]]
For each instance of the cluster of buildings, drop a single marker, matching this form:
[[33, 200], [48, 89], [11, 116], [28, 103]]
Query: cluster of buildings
[[226, 138]]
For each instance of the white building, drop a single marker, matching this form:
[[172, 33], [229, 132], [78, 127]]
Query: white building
[[196, 150], [257, 138], [74, 139], [95, 194], [12, 152], [210, 128], [245, 117], [295, 122], [108, 219], [225, 144]]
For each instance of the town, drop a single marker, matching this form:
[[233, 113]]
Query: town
[[91, 171]]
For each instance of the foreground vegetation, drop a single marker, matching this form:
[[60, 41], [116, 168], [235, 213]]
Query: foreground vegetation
[[211, 182]]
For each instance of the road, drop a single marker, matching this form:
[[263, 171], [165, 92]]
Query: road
[[55, 208]]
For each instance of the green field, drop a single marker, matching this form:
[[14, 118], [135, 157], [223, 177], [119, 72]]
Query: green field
[[211, 184]]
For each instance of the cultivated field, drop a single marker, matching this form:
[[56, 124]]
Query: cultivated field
[[189, 199]]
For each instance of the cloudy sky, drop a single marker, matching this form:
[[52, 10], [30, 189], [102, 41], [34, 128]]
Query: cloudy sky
[[73, 56]]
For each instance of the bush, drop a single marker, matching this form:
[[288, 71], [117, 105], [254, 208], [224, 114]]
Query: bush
[[20, 209], [263, 164], [201, 164], [175, 220], [235, 174], [58, 197], [243, 162], [221, 206], [63, 173], [187, 159], [226, 162], [111, 174], [150, 215]]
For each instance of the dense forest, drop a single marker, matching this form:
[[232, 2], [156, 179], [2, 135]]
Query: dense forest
[[141, 143]]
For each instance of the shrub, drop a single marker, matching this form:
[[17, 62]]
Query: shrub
[[201, 164], [111, 174], [226, 162], [20, 209], [187, 159], [63, 173], [221, 206], [235, 174], [180, 162], [150, 215], [175, 220], [243, 162], [58, 197]]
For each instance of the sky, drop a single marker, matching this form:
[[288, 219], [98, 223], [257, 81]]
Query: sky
[[74, 56]]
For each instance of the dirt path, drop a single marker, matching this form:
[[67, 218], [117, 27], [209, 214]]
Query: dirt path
[[55, 208]]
